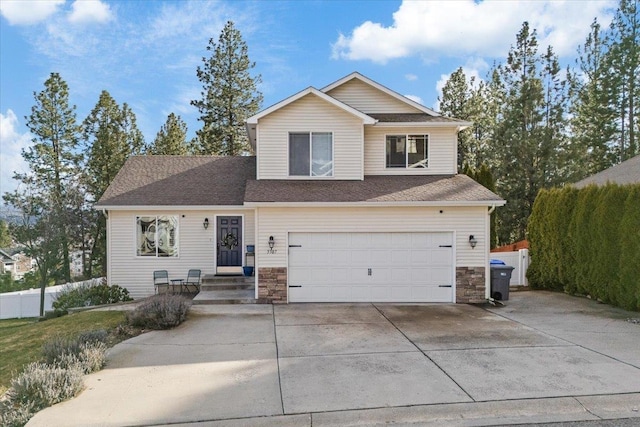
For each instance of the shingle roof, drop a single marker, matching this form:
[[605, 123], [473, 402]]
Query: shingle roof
[[412, 117], [374, 188], [180, 181], [627, 172]]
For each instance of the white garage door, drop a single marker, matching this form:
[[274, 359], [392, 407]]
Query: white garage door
[[371, 267]]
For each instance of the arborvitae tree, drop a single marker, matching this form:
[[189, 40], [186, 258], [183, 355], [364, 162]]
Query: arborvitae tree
[[229, 95], [629, 237], [585, 240], [624, 62], [110, 136], [52, 160], [593, 126], [171, 139]]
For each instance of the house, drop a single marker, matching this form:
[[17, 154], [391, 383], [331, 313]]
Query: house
[[353, 196], [627, 172], [14, 261]]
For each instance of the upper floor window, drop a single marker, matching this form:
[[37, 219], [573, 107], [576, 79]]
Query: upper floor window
[[157, 236], [407, 151], [311, 154]]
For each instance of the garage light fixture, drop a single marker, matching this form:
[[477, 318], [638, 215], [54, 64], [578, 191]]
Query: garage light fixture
[[205, 223], [272, 242], [472, 241]]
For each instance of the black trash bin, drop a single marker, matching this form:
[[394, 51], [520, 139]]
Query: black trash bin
[[500, 277]]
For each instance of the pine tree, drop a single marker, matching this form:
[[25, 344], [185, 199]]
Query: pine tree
[[110, 136], [229, 95], [593, 126], [529, 137], [52, 160], [624, 62], [171, 139]]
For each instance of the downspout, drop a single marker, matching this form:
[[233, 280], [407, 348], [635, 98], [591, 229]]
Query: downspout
[[487, 276], [107, 245]]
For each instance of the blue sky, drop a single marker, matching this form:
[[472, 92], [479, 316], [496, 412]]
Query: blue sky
[[145, 53]]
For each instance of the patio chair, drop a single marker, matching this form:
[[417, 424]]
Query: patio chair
[[193, 279], [160, 278]]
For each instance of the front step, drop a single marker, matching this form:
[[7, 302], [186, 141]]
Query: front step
[[226, 283], [238, 296]]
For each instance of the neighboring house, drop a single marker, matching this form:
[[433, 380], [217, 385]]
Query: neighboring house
[[15, 262], [353, 195], [627, 172]]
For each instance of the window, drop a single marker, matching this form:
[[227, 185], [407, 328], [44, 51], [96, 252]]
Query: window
[[156, 236], [311, 154], [407, 151]]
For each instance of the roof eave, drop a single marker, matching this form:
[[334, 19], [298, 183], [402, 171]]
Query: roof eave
[[434, 203], [168, 207], [457, 125]]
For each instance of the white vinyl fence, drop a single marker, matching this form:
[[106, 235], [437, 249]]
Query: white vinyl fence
[[27, 303], [519, 260]]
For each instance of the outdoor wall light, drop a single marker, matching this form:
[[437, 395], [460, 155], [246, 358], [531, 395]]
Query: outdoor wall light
[[205, 224], [472, 241], [272, 242]]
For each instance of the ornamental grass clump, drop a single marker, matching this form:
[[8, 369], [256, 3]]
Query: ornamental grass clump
[[160, 312]]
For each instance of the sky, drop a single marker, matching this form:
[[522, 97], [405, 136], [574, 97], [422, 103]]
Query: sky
[[146, 53]]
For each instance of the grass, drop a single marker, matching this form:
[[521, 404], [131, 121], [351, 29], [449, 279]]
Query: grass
[[21, 340]]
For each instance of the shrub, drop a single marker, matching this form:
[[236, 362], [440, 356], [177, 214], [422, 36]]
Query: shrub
[[88, 295], [41, 385], [160, 312], [87, 350]]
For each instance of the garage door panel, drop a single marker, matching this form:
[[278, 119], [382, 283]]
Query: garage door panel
[[371, 267]]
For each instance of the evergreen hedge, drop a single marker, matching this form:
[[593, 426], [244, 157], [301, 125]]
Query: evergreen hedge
[[587, 242]]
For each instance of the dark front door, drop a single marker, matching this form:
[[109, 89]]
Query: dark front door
[[229, 241]]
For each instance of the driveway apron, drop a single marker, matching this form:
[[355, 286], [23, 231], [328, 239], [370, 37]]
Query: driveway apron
[[544, 355]]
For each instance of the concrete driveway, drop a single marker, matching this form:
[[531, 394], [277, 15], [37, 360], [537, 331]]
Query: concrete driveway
[[543, 357]]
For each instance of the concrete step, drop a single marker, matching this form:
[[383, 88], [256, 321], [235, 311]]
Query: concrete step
[[241, 296], [226, 286], [222, 278]]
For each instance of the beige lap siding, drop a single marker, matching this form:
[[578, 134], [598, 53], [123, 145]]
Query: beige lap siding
[[368, 99], [463, 221], [310, 114], [196, 247], [442, 148]]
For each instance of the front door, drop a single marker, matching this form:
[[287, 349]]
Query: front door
[[229, 241]]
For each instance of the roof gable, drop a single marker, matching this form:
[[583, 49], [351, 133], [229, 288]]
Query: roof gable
[[339, 90]]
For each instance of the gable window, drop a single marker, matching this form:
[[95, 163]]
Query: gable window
[[311, 154], [407, 151], [157, 236]]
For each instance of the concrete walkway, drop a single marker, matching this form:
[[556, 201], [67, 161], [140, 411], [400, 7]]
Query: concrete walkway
[[542, 358]]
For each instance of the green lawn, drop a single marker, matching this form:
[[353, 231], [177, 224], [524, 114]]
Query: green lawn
[[21, 340]]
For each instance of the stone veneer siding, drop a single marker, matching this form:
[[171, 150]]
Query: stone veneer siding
[[470, 285], [272, 285]]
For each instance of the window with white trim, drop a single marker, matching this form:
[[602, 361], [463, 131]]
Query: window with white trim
[[311, 154], [407, 151], [157, 236]]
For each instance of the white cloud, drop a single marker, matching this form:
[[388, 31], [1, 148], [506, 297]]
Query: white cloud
[[11, 144], [28, 12], [414, 98], [411, 77], [87, 11], [433, 29]]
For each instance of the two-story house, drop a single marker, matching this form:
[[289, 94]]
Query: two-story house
[[353, 196]]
